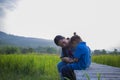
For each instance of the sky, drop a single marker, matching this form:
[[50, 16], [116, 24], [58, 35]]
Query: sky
[[96, 21]]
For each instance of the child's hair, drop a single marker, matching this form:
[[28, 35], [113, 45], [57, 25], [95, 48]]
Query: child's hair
[[75, 37]]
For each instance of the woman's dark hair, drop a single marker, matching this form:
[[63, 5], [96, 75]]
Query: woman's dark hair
[[75, 37], [58, 38]]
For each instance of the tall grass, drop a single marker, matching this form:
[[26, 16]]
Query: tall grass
[[28, 67], [112, 60], [40, 66]]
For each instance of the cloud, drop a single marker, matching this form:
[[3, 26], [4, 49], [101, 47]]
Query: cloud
[[4, 6]]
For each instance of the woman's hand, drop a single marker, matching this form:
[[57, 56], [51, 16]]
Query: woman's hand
[[67, 59]]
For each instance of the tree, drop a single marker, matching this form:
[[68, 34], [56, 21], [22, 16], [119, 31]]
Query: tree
[[115, 51], [51, 50], [9, 50], [96, 52], [27, 50], [103, 51]]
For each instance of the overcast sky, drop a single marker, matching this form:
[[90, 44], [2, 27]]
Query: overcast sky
[[96, 21]]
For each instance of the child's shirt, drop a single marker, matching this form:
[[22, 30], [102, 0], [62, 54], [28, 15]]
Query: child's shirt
[[83, 54]]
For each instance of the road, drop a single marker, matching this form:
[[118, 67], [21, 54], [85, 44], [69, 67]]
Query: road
[[106, 72]]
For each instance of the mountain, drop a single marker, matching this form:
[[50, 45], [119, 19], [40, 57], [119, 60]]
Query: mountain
[[13, 40]]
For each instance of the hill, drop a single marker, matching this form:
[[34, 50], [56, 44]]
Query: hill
[[13, 40]]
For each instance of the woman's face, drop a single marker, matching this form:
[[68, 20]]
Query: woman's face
[[63, 43]]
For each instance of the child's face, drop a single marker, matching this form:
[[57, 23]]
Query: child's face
[[74, 44]]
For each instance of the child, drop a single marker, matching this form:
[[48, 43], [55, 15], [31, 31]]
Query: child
[[82, 54], [82, 57]]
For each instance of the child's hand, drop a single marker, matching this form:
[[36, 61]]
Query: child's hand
[[75, 60], [71, 60]]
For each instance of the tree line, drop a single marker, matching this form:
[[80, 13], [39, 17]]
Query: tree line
[[24, 50], [103, 51], [14, 49]]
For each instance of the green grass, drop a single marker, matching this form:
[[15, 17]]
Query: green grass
[[40, 66], [29, 67], [112, 60]]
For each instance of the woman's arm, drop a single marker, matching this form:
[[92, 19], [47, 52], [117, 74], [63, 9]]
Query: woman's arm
[[67, 59]]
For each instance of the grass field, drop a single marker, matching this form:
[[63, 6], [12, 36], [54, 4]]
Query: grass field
[[112, 60], [29, 67], [40, 66]]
